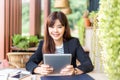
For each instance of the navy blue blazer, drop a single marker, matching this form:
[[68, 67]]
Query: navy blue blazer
[[73, 47]]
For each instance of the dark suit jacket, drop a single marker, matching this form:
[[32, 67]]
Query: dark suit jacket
[[73, 47]]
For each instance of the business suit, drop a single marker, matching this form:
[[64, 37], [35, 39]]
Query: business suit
[[71, 46]]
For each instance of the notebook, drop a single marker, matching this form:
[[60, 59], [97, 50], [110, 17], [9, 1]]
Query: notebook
[[57, 61], [73, 77]]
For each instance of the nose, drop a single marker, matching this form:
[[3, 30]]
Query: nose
[[55, 29]]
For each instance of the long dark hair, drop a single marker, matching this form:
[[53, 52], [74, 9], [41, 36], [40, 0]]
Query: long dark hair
[[49, 45]]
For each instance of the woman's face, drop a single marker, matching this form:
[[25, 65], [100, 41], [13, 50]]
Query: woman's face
[[57, 31]]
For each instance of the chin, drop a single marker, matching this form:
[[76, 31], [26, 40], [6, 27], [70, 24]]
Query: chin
[[56, 39]]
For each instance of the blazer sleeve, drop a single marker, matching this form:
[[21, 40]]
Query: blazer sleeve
[[86, 64], [35, 59]]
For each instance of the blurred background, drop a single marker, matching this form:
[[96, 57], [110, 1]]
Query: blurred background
[[94, 22]]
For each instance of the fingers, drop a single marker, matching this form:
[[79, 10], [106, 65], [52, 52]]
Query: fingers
[[44, 65], [69, 66], [45, 69], [68, 70]]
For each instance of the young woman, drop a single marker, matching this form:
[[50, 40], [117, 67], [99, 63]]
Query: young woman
[[57, 39]]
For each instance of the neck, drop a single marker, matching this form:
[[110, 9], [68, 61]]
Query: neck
[[58, 43]]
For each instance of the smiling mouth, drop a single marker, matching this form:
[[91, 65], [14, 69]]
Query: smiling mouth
[[55, 35]]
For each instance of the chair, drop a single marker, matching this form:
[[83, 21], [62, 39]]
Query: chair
[[18, 59]]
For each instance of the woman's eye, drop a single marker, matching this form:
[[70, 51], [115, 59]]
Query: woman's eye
[[51, 27], [59, 26]]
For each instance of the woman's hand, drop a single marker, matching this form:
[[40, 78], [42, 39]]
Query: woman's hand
[[43, 69], [68, 70]]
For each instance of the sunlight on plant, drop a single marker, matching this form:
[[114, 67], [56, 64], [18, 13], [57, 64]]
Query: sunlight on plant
[[109, 18]]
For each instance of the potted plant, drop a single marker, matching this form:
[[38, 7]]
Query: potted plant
[[86, 19], [24, 42], [20, 41], [22, 48], [92, 17], [33, 41]]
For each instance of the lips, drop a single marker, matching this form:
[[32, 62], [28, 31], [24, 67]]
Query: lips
[[55, 35]]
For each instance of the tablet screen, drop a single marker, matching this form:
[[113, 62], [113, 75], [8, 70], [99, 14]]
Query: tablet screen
[[57, 61]]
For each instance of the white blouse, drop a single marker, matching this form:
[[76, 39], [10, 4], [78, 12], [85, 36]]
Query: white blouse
[[59, 49]]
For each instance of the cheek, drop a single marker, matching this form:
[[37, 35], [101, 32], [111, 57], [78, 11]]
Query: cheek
[[62, 31], [49, 30]]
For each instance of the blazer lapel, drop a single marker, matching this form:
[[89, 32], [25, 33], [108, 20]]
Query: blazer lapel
[[66, 47]]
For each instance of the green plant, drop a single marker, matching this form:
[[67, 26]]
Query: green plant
[[92, 16], [24, 42], [109, 18], [33, 41], [20, 41], [81, 30]]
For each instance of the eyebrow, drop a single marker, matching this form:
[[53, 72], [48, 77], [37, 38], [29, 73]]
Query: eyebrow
[[56, 25], [59, 25]]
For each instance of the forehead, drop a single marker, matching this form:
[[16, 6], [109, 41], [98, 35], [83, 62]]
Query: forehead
[[57, 22]]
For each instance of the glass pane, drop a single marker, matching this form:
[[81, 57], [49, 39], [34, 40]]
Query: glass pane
[[25, 17], [42, 18]]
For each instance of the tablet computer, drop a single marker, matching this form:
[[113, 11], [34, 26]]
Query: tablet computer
[[57, 61]]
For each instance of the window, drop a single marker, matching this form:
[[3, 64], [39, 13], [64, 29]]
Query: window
[[25, 17]]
